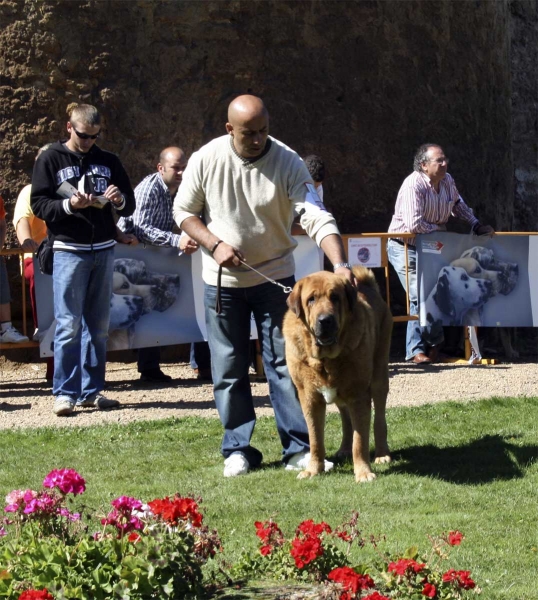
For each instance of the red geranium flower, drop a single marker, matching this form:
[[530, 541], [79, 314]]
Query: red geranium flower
[[351, 580], [405, 566], [134, 537], [309, 528], [455, 538], [460, 578], [429, 590], [177, 509], [305, 551], [36, 595]]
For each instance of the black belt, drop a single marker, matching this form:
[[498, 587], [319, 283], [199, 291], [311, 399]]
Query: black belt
[[401, 243]]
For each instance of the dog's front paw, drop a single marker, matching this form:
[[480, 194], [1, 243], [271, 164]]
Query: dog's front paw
[[364, 476], [306, 475], [382, 460]]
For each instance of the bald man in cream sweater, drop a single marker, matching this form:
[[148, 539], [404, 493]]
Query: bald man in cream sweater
[[248, 187]]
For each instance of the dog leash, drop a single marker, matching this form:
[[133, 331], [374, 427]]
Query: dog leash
[[218, 306]]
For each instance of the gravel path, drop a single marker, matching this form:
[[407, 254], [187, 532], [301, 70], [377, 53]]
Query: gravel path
[[26, 401]]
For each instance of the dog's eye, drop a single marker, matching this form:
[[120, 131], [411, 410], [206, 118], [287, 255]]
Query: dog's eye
[[334, 297], [478, 270], [311, 300], [124, 285]]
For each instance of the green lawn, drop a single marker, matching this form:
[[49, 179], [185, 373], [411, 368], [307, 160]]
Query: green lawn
[[470, 467]]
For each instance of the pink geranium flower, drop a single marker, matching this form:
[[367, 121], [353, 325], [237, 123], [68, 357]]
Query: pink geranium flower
[[68, 481]]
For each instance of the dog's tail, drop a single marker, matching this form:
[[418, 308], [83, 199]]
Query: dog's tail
[[365, 277]]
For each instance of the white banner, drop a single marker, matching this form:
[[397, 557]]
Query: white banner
[[158, 296], [480, 281]]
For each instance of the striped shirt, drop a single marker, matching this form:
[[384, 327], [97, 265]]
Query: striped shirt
[[421, 209], [152, 220]]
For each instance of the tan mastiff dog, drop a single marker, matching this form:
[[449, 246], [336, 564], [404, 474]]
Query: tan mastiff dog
[[337, 350]]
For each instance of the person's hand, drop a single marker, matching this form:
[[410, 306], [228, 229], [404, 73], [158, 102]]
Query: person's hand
[[347, 274], [228, 256], [114, 195], [79, 200], [126, 238], [485, 230], [29, 245], [188, 245]]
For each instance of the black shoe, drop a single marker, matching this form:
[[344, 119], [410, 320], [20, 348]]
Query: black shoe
[[154, 376]]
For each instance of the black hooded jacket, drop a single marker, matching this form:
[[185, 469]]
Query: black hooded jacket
[[90, 228]]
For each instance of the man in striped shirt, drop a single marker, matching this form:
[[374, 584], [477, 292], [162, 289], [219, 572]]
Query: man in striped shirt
[[152, 223], [426, 200]]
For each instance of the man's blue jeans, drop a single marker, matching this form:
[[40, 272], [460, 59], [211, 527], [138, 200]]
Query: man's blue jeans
[[229, 335], [82, 284], [415, 333]]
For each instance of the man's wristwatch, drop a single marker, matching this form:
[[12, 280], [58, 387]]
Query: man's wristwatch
[[338, 265]]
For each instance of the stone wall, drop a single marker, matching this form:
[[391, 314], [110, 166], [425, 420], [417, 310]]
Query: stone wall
[[362, 83], [524, 67]]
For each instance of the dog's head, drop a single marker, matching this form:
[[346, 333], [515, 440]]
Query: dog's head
[[125, 310], [324, 302], [159, 290], [123, 286], [166, 286], [456, 292], [473, 268], [134, 269], [508, 273]]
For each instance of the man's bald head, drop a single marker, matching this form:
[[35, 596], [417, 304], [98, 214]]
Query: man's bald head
[[172, 163], [246, 107], [248, 124]]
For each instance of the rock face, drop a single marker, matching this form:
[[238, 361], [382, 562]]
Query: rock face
[[361, 83]]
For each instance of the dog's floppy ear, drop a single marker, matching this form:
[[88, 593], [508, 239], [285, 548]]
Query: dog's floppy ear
[[442, 296], [294, 299], [351, 295]]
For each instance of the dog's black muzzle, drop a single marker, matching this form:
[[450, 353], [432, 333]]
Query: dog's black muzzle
[[326, 330]]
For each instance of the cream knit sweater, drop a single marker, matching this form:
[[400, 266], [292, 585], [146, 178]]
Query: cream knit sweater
[[251, 206]]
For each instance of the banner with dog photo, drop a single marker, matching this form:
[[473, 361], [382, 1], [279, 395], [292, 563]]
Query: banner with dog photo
[[476, 281], [157, 297]]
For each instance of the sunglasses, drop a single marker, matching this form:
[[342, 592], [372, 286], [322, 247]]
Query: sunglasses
[[85, 136]]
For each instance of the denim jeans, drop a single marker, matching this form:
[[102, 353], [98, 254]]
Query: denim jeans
[[416, 335], [229, 340], [82, 284]]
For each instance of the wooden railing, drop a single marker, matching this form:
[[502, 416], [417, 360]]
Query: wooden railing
[[385, 264]]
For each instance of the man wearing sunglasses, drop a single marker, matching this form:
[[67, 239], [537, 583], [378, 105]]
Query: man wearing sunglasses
[[426, 200], [77, 188]]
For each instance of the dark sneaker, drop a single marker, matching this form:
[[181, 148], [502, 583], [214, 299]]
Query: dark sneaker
[[99, 402], [154, 376]]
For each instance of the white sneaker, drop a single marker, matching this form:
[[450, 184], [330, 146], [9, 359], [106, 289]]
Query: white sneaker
[[299, 462], [63, 406], [236, 464], [12, 336]]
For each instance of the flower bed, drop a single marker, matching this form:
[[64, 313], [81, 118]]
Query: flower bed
[[158, 549], [319, 553], [153, 550]]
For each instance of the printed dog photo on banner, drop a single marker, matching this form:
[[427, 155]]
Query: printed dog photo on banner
[[469, 280], [152, 302]]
